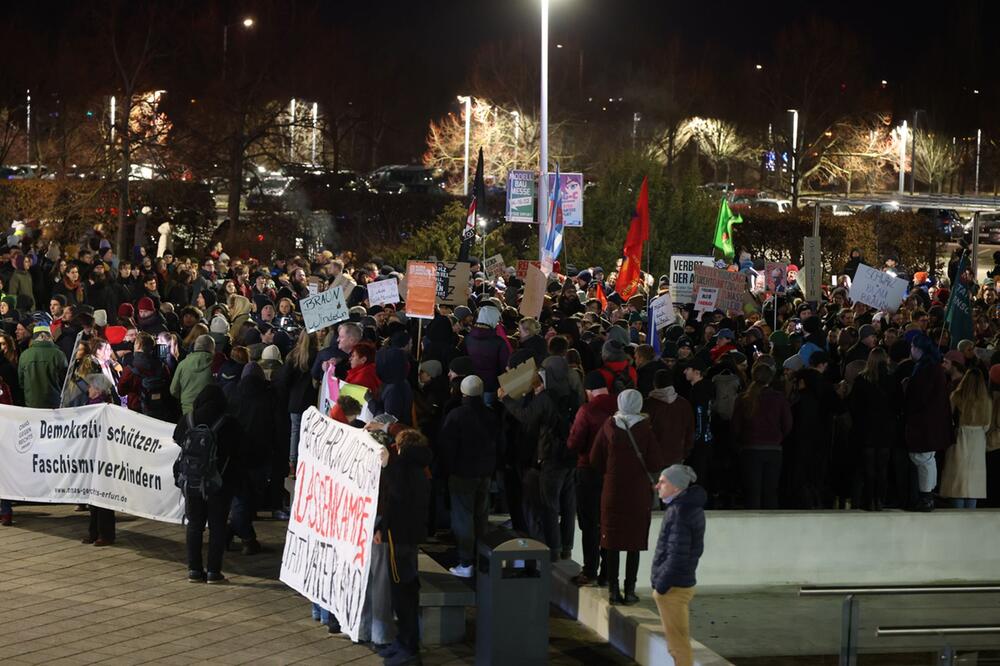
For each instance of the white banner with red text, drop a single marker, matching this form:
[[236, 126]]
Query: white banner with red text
[[328, 545]]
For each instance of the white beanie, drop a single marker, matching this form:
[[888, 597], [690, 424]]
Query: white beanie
[[100, 318], [219, 325], [271, 353], [472, 386]]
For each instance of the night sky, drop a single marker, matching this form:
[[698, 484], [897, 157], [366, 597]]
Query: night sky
[[930, 58]]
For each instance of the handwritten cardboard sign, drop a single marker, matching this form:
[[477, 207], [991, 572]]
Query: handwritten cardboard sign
[[663, 311], [877, 289], [421, 289], [452, 282], [516, 382], [327, 552], [383, 292], [521, 270], [731, 286], [706, 299], [534, 292], [324, 309], [494, 266]]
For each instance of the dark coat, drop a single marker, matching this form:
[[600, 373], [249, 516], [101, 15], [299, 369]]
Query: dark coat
[[673, 423], [537, 346], [489, 355], [646, 375], [926, 410], [396, 396], [208, 408], [681, 541], [297, 386], [873, 415], [468, 440], [406, 491], [626, 497], [765, 428], [590, 418]]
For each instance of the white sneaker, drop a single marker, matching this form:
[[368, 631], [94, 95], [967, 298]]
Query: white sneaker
[[461, 572]]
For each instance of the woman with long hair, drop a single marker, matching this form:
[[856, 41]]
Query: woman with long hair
[[964, 476], [8, 367], [295, 380], [762, 419], [362, 372], [873, 426], [187, 344]]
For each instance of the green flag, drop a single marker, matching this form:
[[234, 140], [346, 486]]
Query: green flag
[[724, 230], [958, 318]]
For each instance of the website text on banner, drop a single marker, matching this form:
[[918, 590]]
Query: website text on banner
[[324, 309], [103, 455], [328, 546], [682, 276], [877, 289]]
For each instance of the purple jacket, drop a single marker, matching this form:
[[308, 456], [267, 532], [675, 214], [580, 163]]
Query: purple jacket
[[489, 353]]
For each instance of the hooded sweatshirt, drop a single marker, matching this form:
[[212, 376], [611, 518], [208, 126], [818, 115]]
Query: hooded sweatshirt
[[193, 374]]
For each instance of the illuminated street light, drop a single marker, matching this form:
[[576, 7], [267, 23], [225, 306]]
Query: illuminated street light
[[758, 67], [795, 143], [248, 22], [901, 131], [467, 100]]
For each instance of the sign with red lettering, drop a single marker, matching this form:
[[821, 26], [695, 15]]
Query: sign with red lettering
[[328, 545]]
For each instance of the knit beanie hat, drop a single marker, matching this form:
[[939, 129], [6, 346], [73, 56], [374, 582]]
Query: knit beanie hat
[[146, 304], [472, 386], [204, 343], [126, 311], [219, 325], [680, 476], [995, 374], [271, 353], [101, 318], [432, 368]]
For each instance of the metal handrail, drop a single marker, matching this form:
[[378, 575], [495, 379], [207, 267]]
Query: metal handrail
[[952, 630], [897, 589]]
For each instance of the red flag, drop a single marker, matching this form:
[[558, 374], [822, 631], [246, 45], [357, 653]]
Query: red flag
[[638, 233], [602, 298]]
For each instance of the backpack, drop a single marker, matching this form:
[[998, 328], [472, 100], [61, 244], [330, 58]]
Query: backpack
[[197, 466], [154, 392], [622, 381]]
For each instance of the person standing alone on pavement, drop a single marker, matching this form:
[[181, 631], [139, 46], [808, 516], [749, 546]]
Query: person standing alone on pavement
[[678, 549]]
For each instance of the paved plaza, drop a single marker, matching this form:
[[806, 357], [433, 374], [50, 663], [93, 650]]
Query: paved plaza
[[62, 602]]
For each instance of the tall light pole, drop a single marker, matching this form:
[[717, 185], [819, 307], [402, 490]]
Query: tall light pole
[[902, 156], [467, 100], [636, 117], [543, 139], [291, 131], [246, 23], [979, 141], [517, 133], [795, 151], [112, 114], [315, 116], [913, 154], [28, 127]]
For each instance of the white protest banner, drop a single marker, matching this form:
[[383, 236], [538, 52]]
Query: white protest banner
[[494, 266], [682, 275], [324, 309], [732, 286], [811, 275], [663, 311], [383, 292], [877, 289], [328, 545], [104, 455], [706, 299]]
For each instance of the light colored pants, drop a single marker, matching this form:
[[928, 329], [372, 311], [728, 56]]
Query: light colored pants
[[926, 471], [673, 607]]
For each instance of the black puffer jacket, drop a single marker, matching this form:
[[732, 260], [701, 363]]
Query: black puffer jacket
[[407, 492], [681, 541], [208, 408], [468, 440]]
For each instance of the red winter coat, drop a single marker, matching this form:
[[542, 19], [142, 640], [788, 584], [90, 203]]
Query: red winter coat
[[589, 420], [627, 495], [927, 411], [673, 423]]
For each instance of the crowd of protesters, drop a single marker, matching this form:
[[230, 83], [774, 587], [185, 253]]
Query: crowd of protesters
[[820, 405]]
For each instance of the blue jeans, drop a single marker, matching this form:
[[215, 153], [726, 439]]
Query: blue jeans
[[5, 507], [558, 506], [293, 447], [961, 503]]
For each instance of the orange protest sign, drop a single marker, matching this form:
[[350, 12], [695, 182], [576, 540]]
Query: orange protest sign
[[421, 289]]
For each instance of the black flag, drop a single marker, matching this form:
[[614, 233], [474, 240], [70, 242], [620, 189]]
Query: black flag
[[472, 217]]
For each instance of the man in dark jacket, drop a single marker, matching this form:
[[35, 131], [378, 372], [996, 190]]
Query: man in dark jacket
[[210, 409], [678, 549], [590, 418], [338, 352], [468, 445], [395, 396]]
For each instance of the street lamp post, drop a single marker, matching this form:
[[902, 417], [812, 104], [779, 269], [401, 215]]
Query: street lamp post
[[291, 131], [913, 154], [979, 141], [28, 127], [543, 142], [517, 133], [902, 157], [314, 118], [246, 23], [795, 149], [467, 100]]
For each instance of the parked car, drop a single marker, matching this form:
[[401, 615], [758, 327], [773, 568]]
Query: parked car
[[989, 228], [399, 179], [25, 171], [772, 205], [949, 222], [836, 209], [883, 207], [718, 188]]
